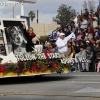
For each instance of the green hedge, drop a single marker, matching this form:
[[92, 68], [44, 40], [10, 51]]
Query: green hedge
[[43, 38]]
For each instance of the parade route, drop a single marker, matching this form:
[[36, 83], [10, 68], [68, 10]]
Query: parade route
[[50, 50], [72, 86]]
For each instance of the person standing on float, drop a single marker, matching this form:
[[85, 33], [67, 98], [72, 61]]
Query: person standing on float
[[29, 34], [62, 43]]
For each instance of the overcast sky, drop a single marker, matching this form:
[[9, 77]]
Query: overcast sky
[[47, 8]]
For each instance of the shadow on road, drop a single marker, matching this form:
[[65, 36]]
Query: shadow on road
[[33, 79]]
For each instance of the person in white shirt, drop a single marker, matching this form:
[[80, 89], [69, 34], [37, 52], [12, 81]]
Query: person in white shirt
[[84, 24], [75, 21], [62, 43], [95, 21]]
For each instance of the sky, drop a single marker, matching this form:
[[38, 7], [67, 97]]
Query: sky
[[47, 8]]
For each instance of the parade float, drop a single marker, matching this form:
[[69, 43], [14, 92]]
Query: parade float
[[17, 62], [39, 64]]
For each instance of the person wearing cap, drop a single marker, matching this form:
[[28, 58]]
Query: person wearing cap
[[89, 57], [80, 55], [87, 42], [62, 43]]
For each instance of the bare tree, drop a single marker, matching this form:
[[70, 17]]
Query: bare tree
[[85, 5], [90, 5]]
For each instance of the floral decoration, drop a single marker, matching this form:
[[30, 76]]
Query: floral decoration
[[34, 66]]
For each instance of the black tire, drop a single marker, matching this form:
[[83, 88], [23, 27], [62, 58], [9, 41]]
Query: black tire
[[38, 76]]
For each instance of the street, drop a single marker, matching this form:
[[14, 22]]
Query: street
[[71, 86]]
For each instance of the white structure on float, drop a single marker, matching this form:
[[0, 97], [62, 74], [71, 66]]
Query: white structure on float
[[22, 4]]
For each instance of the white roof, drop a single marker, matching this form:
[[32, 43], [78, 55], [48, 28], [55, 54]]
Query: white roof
[[25, 1]]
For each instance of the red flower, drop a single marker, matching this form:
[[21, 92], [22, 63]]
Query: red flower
[[2, 69], [19, 63], [34, 65], [30, 71]]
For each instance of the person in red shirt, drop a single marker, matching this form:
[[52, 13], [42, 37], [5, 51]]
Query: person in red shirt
[[91, 31]]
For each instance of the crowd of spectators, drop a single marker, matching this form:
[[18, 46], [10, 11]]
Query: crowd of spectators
[[86, 44], [78, 39]]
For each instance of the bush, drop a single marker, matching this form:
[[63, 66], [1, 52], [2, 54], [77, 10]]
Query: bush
[[43, 38]]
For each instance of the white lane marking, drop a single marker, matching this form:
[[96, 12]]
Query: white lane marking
[[88, 90], [83, 82], [84, 75]]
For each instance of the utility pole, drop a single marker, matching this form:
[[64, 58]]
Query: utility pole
[[13, 11], [37, 16]]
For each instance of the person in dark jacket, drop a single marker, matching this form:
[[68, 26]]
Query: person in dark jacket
[[67, 32], [29, 34], [89, 56], [86, 14], [97, 53]]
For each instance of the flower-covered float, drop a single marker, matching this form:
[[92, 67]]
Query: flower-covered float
[[32, 64]]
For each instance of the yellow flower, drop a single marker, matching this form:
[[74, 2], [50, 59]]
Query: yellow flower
[[11, 74], [1, 74], [65, 69]]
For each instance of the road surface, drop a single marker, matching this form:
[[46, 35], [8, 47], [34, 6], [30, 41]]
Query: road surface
[[72, 86]]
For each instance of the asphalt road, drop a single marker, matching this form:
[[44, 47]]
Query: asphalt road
[[72, 86]]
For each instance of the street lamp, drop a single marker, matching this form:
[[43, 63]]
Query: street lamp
[[22, 4], [13, 4], [37, 16], [13, 10]]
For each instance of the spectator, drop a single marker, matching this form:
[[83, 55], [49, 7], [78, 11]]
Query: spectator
[[49, 48], [79, 37], [91, 45], [90, 22], [87, 43], [96, 36], [75, 20], [70, 50], [54, 48], [86, 14], [86, 37], [90, 31], [57, 31], [60, 30], [95, 21], [55, 36], [80, 55], [97, 53], [67, 32], [89, 57], [76, 47], [83, 44], [99, 31], [72, 26], [84, 23]]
